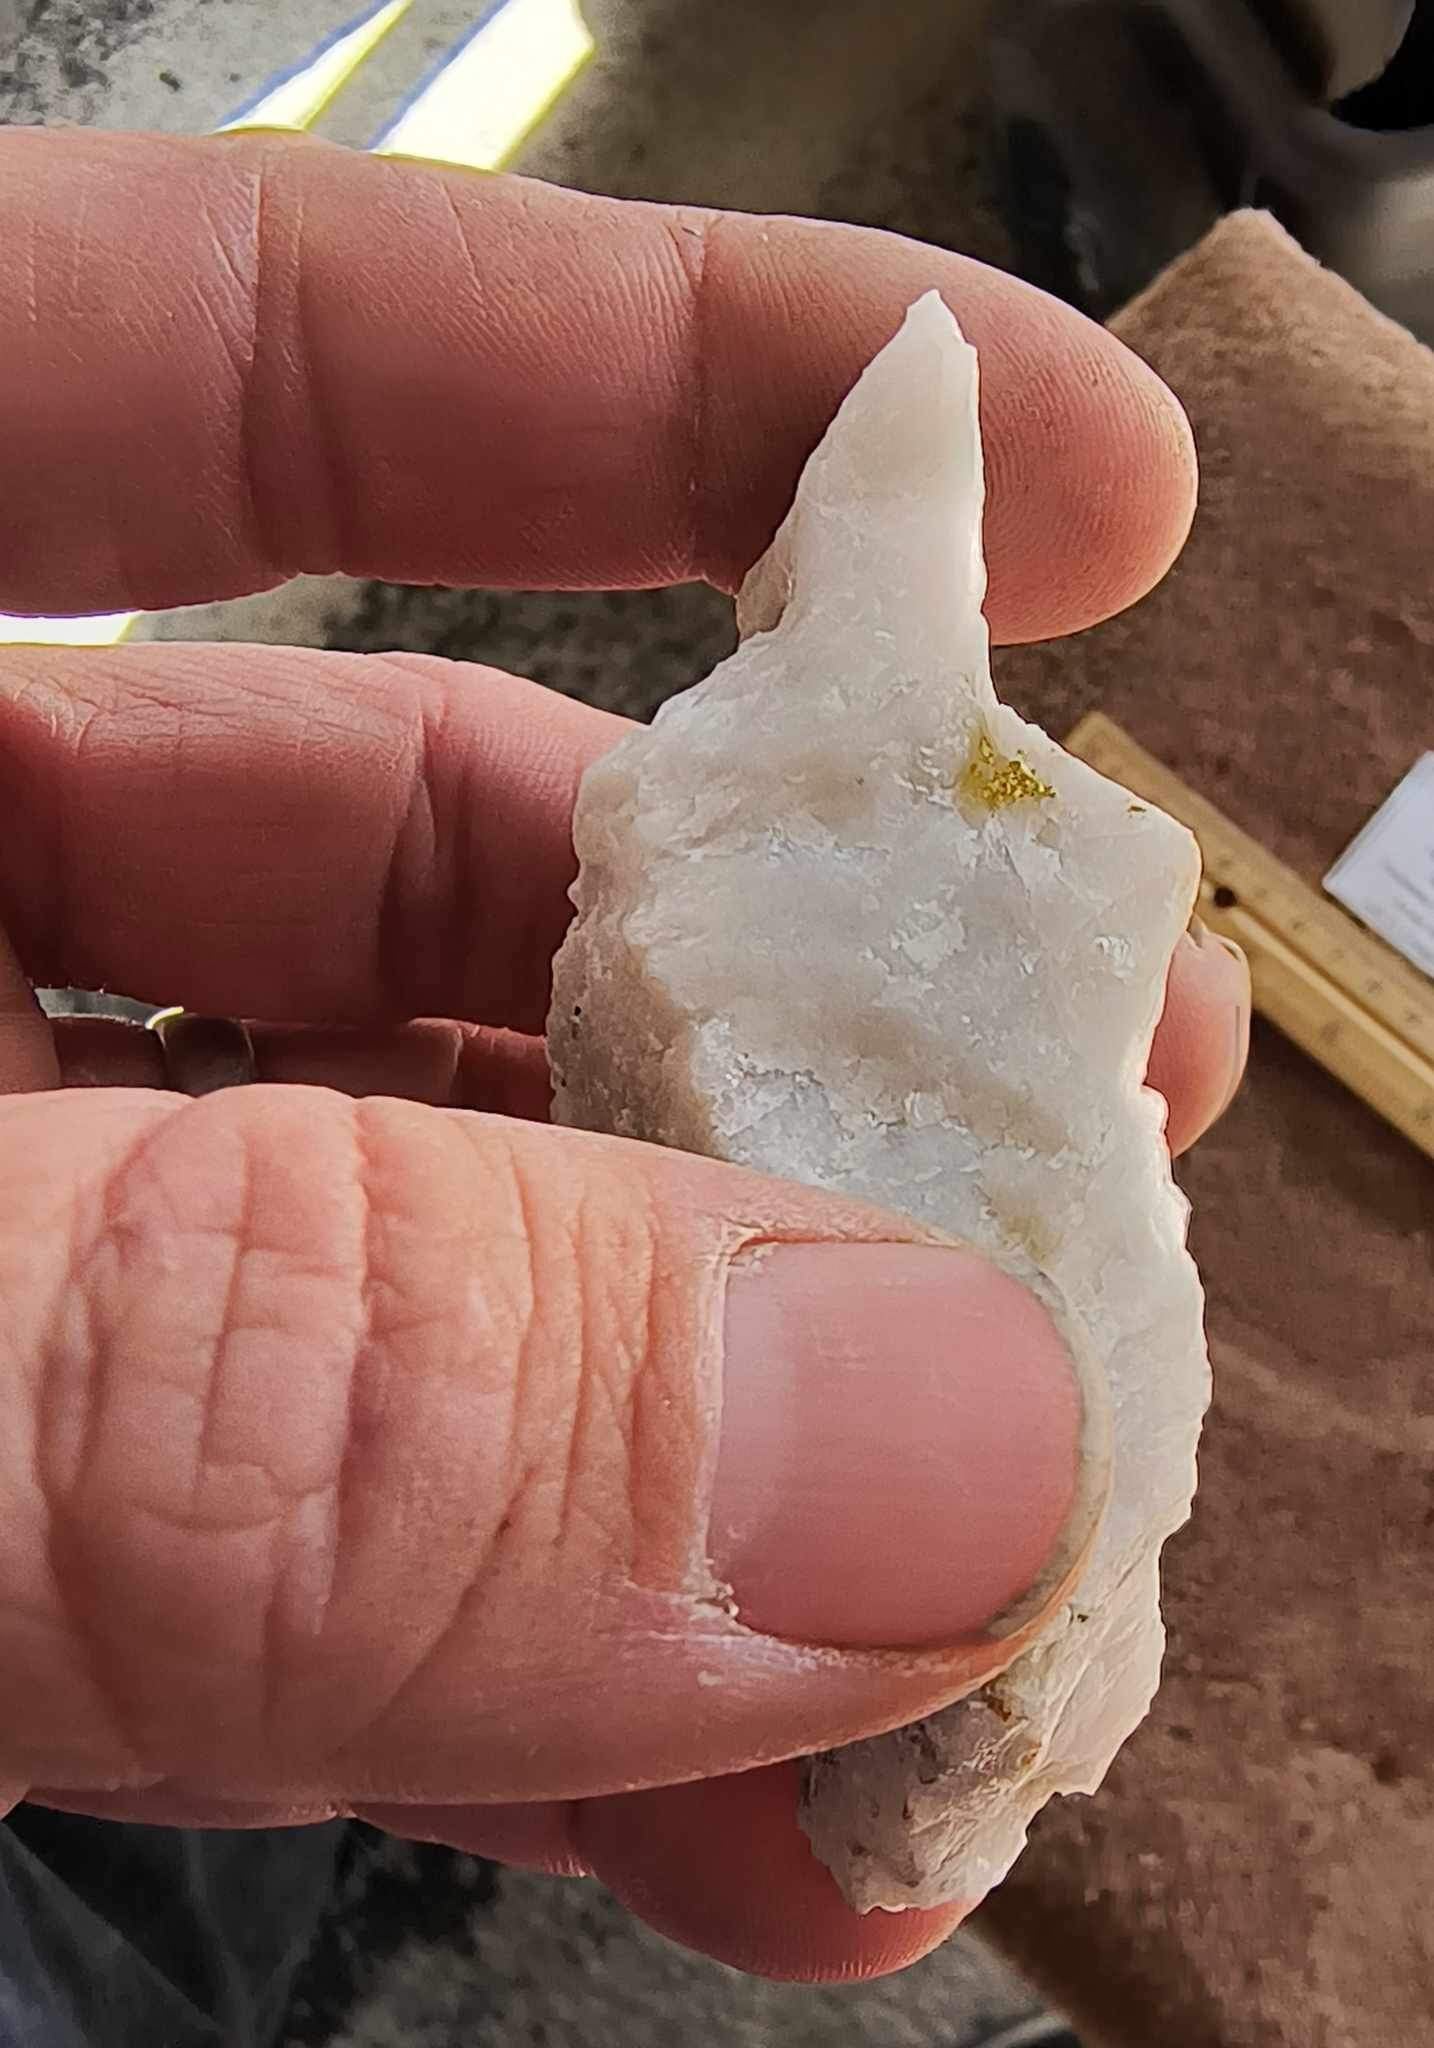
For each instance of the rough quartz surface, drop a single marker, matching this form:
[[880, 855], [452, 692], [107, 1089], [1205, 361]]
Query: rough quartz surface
[[844, 917]]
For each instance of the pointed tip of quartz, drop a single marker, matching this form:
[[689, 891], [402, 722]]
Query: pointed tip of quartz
[[930, 314], [908, 433], [897, 478]]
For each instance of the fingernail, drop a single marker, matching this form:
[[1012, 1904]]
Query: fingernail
[[907, 1452], [1198, 929]]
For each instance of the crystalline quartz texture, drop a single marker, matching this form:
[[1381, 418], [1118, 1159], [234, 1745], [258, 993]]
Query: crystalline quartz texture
[[846, 918]]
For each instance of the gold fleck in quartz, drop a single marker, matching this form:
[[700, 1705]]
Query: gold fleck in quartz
[[999, 780]]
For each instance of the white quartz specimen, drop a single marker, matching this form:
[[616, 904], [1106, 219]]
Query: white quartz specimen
[[844, 917]]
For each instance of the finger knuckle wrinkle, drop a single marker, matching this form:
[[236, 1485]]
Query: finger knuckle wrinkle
[[201, 1369]]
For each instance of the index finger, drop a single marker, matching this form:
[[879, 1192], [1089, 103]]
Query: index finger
[[232, 361]]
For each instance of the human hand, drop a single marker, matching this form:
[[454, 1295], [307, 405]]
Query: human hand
[[369, 1456]]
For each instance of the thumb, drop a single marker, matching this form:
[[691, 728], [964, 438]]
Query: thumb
[[366, 1450]]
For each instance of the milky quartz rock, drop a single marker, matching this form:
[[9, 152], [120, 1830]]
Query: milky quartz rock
[[844, 917]]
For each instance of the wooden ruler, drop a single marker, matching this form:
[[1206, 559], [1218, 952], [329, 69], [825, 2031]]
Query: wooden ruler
[[1344, 997]]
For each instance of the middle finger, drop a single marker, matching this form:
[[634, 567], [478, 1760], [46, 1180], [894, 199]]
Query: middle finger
[[346, 839], [285, 833]]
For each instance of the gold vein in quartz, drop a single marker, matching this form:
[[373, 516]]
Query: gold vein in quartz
[[999, 780]]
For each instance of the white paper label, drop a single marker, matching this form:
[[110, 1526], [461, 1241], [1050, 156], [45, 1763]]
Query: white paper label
[[1386, 876]]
